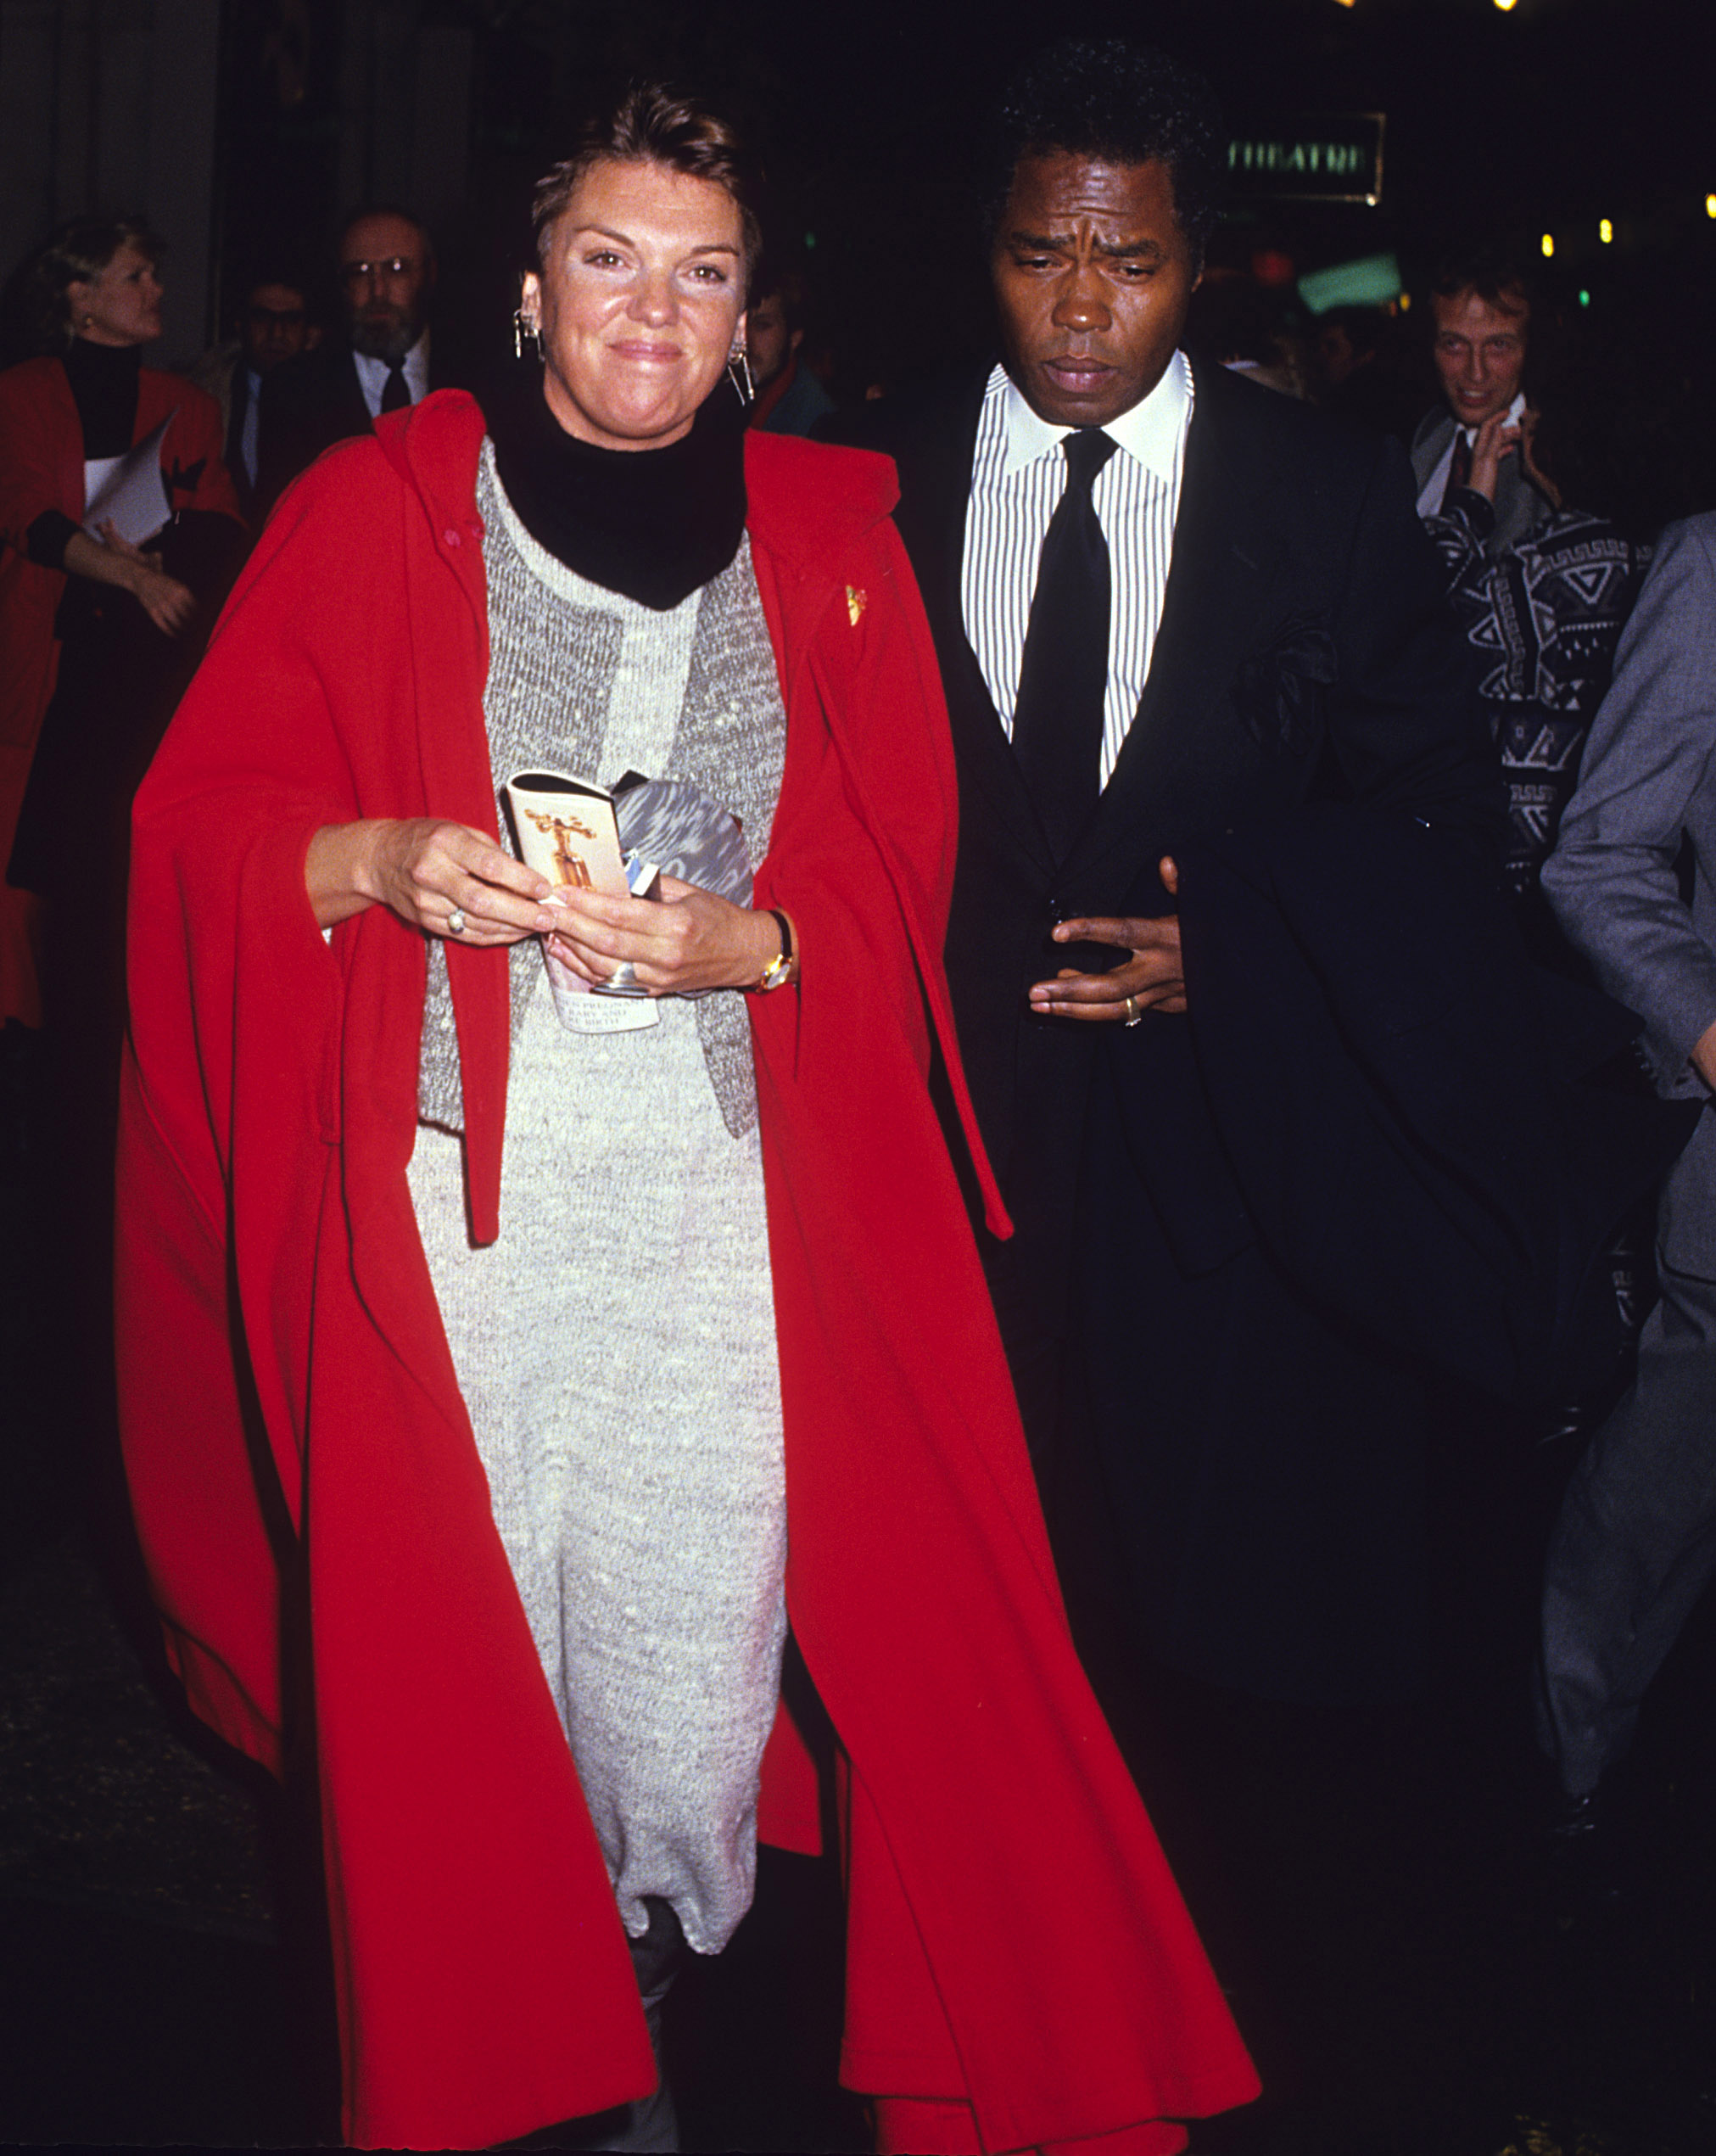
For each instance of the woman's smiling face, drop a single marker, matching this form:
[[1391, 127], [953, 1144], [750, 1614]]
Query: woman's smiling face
[[638, 301]]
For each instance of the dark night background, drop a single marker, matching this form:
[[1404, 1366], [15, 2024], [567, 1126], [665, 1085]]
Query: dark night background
[[1545, 118], [1413, 1979]]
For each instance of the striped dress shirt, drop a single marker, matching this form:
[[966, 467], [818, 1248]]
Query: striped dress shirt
[[1018, 476]]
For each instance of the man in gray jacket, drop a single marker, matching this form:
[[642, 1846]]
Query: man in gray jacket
[[1636, 1542]]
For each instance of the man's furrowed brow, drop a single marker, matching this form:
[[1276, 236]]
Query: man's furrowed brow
[[1151, 250]]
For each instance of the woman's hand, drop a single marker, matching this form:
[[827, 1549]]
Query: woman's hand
[[112, 560], [1153, 979], [1533, 471], [687, 940], [427, 870], [167, 603], [1496, 438]]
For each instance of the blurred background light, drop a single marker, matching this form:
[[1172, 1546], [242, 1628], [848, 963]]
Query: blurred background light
[[1371, 281]]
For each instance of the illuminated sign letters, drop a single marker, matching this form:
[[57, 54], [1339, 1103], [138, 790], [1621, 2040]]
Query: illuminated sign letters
[[1322, 157]]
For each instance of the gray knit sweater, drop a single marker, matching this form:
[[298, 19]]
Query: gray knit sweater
[[616, 1346]]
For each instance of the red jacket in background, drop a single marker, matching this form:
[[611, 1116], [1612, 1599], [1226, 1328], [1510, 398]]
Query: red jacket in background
[[41, 469]]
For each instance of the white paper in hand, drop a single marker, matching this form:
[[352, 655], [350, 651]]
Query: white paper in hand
[[129, 491]]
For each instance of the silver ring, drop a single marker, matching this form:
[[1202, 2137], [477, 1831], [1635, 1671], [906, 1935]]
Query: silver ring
[[1134, 1016], [455, 921], [624, 976]]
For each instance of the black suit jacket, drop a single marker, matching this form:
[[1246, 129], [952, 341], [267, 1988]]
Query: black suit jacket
[[1305, 651], [1305, 654], [307, 406]]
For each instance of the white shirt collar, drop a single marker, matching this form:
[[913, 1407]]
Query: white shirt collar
[[1148, 431], [372, 373]]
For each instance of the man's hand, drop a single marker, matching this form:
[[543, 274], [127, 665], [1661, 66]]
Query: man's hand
[[1703, 1057], [1533, 471], [1498, 437], [1153, 979]]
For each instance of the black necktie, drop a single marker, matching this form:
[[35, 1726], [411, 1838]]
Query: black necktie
[[1459, 470], [1063, 679], [395, 396]]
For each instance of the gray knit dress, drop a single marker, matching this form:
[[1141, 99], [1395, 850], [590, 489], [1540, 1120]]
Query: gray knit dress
[[616, 1346]]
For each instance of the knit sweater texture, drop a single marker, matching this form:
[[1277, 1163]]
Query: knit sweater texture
[[616, 1346]]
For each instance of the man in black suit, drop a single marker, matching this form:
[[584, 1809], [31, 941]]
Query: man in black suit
[[1167, 604], [386, 268], [274, 329]]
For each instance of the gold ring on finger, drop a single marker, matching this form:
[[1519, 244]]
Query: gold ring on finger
[[1134, 1015]]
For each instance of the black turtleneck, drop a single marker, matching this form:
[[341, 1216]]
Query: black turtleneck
[[654, 524], [103, 380]]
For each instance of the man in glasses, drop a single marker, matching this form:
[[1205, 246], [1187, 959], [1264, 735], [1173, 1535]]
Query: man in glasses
[[385, 266], [273, 328]]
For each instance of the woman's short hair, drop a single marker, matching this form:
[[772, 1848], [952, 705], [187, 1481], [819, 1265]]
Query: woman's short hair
[[76, 254], [1124, 104], [655, 124]]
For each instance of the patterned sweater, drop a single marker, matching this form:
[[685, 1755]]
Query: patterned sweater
[[1543, 620]]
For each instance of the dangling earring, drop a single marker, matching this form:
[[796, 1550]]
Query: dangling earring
[[523, 326], [739, 374]]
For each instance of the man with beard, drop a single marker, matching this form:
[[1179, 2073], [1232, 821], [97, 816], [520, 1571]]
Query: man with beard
[[386, 269]]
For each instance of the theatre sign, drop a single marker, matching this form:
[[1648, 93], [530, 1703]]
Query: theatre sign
[[1322, 157]]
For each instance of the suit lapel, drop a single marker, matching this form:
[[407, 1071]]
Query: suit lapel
[[1217, 606], [360, 418], [936, 489]]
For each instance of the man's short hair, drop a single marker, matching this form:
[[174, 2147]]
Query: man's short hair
[[771, 281], [1499, 278], [386, 210], [1124, 104], [1365, 328], [290, 277]]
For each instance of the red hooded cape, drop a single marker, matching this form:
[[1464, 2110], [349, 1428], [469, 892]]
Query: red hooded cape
[[42, 468], [318, 1527]]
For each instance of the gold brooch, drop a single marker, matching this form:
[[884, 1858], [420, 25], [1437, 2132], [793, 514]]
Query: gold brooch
[[856, 602]]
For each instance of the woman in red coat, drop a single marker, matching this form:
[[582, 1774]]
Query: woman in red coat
[[587, 1339], [99, 298]]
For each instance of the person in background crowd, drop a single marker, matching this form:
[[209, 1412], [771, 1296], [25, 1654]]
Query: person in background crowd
[[98, 638], [1359, 370], [385, 263], [1634, 1545], [790, 400], [1233, 322], [614, 1332], [1347, 339], [273, 328], [70, 599], [1481, 308]]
